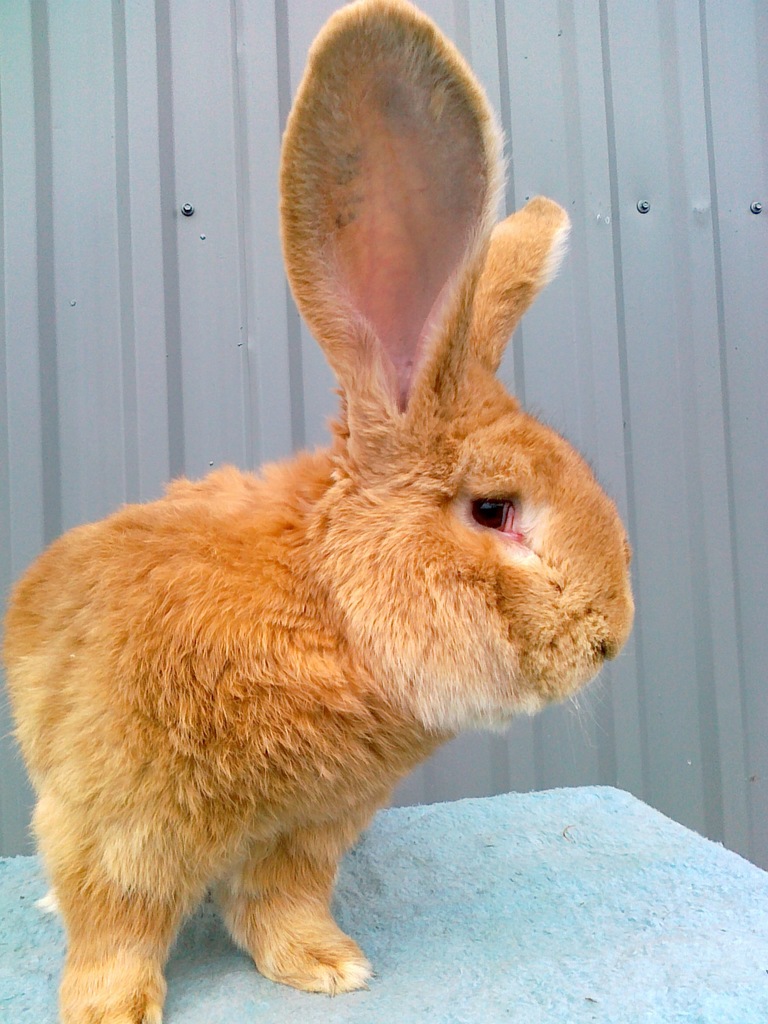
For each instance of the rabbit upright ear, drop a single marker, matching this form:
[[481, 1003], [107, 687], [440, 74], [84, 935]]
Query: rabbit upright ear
[[389, 177], [524, 254]]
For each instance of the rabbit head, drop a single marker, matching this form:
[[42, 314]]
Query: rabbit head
[[478, 567]]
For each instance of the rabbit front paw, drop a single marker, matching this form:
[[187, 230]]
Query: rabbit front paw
[[325, 961]]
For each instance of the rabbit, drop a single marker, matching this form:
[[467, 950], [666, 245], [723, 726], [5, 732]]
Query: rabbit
[[215, 691]]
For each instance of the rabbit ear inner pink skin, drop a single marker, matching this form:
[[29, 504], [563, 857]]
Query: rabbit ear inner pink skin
[[219, 688], [390, 178]]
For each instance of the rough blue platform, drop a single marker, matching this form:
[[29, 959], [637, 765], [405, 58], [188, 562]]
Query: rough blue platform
[[545, 908]]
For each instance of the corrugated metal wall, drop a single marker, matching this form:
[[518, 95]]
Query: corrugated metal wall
[[139, 344]]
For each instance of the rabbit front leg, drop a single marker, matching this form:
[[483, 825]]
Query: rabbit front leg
[[277, 907]]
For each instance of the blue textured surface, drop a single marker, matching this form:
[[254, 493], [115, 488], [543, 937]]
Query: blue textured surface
[[544, 908]]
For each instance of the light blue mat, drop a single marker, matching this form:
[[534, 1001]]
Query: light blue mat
[[563, 907]]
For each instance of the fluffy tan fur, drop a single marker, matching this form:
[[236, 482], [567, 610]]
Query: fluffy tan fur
[[218, 689]]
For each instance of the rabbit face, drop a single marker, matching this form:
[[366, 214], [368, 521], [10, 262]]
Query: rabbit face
[[550, 520], [486, 574], [561, 572]]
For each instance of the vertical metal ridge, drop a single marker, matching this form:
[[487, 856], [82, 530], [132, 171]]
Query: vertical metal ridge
[[15, 796], [621, 335], [129, 383], [168, 214], [6, 556], [505, 113], [249, 395], [463, 37], [20, 484], [295, 359], [575, 180], [725, 394], [46, 279], [681, 248]]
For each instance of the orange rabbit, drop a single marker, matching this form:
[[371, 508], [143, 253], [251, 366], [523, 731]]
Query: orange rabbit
[[218, 689]]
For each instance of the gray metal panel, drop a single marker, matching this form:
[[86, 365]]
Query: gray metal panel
[[22, 522], [275, 426], [85, 259], [674, 410], [736, 66], [140, 233], [649, 351]]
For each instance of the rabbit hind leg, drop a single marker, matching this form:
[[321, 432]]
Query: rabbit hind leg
[[117, 947], [118, 938]]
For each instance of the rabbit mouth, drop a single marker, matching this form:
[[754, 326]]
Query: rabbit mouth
[[553, 679], [561, 664]]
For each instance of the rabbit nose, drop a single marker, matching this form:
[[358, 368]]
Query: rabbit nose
[[607, 648]]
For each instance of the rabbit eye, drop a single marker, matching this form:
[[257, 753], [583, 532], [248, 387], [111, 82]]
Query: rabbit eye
[[503, 515], [495, 515]]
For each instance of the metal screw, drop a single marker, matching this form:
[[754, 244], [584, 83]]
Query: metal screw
[[187, 209], [643, 206], [756, 207]]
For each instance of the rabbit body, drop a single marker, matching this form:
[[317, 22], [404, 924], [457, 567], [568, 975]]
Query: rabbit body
[[191, 715], [190, 646], [218, 689]]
